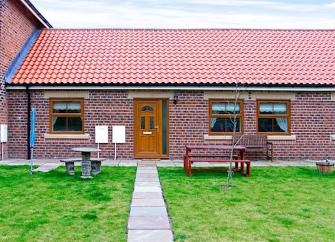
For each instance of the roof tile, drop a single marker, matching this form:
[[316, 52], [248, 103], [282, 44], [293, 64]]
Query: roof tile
[[207, 56]]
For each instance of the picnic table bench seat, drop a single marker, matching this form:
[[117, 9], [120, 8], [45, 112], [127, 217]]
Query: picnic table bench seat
[[95, 164], [190, 158]]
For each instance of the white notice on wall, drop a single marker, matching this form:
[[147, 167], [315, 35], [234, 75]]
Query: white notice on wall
[[119, 134], [101, 134], [3, 133]]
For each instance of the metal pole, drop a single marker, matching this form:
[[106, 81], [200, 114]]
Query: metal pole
[[31, 160], [114, 151], [98, 151]]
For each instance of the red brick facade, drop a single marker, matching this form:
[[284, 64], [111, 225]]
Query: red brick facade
[[311, 115], [16, 25]]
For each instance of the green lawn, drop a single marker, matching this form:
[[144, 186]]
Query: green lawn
[[274, 204], [56, 207]]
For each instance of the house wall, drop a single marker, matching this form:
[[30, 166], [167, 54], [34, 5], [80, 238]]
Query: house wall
[[311, 115], [16, 25]]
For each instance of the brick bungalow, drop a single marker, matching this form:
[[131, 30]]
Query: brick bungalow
[[19, 20], [175, 87]]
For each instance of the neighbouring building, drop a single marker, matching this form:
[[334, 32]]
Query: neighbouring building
[[19, 22], [174, 87]]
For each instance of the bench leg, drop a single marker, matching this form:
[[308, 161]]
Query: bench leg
[[96, 167], [242, 167], [70, 168], [189, 170], [185, 164], [248, 169]]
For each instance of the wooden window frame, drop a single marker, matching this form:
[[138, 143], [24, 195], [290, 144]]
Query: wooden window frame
[[51, 114], [210, 115], [287, 115]]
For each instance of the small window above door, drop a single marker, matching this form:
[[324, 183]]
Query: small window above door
[[147, 108]]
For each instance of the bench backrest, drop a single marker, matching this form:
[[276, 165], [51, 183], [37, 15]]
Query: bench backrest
[[251, 140]]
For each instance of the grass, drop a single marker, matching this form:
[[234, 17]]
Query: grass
[[274, 204], [56, 207]]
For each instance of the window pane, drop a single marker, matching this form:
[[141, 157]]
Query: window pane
[[229, 127], [230, 108], [218, 108], [147, 108], [280, 125], [279, 108], [73, 108], [142, 122], [59, 108], [151, 122], [67, 124], [224, 125], [265, 125], [265, 108], [59, 123], [74, 124]]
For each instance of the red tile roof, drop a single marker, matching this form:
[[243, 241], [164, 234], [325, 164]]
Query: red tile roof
[[167, 56]]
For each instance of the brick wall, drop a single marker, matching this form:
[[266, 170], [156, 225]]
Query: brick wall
[[312, 123], [16, 25]]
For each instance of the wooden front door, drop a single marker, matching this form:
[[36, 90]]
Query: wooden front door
[[148, 128]]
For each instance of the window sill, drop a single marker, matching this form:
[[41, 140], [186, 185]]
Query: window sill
[[270, 137], [217, 137], [282, 137], [66, 136]]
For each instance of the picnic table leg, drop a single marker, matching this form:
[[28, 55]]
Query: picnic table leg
[[248, 168], [242, 167], [86, 165]]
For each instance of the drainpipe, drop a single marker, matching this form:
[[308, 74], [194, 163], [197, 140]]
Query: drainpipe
[[28, 122]]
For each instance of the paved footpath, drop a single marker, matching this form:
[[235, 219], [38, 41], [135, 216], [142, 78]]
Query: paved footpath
[[148, 219]]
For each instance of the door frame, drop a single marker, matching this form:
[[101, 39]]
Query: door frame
[[163, 156]]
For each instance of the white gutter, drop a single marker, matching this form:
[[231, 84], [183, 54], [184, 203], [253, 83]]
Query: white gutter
[[188, 88], [33, 12]]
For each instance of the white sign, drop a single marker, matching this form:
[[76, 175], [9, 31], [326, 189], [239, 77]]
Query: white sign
[[119, 134], [101, 134], [3, 133]]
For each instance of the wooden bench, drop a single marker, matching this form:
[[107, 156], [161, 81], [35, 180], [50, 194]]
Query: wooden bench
[[189, 158], [255, 142], [95, 165]]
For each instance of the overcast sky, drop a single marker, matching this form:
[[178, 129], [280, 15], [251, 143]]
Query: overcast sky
[[188, 13]]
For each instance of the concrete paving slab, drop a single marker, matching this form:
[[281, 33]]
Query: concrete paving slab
[[148, 195], [152, 223], [147, 202], [147, 189], [148, 212], [147, 179], [146, 175], [150, 236], [147, 184], [140, 171]]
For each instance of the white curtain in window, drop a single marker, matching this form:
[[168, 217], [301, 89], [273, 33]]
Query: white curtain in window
[[73, 107], [282, 123], [59, 106], [213, 121]]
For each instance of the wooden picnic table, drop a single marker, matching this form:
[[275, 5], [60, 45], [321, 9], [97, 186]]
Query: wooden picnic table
[[220, 155]]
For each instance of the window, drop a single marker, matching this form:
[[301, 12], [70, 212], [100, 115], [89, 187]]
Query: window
[[66, 116], [273, 117], [221, 116]]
